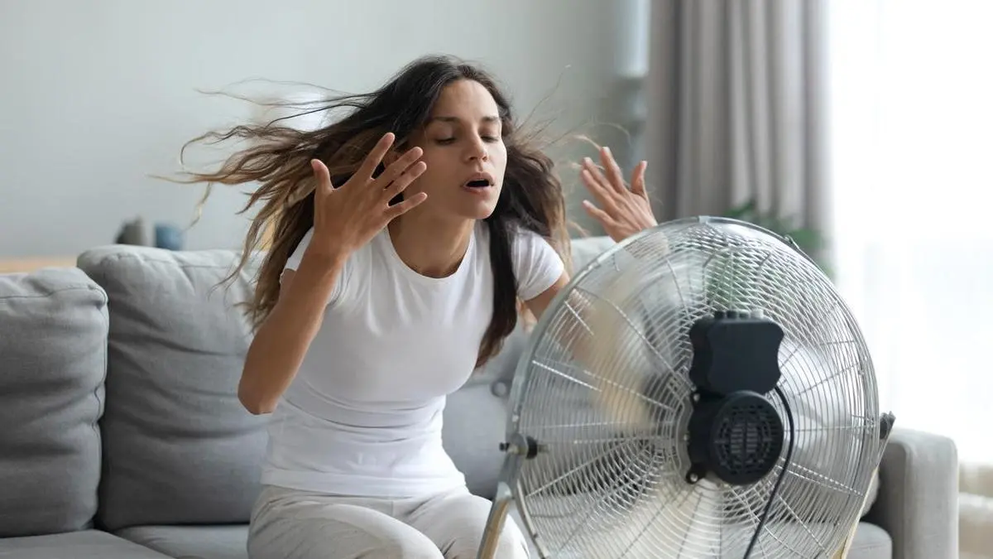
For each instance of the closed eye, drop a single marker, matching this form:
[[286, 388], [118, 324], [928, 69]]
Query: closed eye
[[489, 139]]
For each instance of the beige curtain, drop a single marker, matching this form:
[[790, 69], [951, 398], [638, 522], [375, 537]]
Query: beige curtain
[[736, 108]]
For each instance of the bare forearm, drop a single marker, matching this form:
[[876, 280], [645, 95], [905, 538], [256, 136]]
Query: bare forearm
[[283, 339]]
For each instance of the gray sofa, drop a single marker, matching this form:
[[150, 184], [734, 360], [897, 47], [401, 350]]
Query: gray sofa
[[122, 436]]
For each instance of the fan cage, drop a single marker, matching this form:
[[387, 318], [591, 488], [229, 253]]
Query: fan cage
[[614, 486]]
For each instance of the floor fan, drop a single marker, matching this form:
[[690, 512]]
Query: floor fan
[[700, 390]]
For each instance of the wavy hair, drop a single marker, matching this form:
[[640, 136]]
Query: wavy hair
[[278, 160]]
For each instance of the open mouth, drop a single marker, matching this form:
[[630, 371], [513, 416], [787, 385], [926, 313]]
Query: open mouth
[[479, 181]]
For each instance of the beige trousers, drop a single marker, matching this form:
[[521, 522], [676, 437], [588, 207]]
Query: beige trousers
[[290, 524]]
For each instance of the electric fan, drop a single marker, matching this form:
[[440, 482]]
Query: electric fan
[[699, 390]]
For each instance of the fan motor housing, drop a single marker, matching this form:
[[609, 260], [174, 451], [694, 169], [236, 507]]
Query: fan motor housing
[[733, 351], [735, 433]]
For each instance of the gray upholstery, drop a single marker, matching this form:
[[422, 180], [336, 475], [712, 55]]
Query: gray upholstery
[[53, 330], [86, 544], [192, 542], [180, 456], [872, 542], [918, 495], [179, 447]]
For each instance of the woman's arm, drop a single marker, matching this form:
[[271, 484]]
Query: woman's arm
[[283, 339], [538, 304]]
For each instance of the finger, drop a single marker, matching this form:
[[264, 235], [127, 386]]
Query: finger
[[596, 213], [323, 177], [638, 179], [403, 181], [597, 188], [401, 208], [375, 156], [399, 166], [615, 179], [600, 182]]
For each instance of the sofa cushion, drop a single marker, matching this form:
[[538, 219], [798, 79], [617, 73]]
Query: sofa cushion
[[475, 425], [53, 333], [178, 446], [87, 544], [192, 542], [870, 542]]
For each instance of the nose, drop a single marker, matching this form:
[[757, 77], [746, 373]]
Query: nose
[[476, 149]]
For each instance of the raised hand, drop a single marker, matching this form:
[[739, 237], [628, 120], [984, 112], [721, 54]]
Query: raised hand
[[623, 211], [346, 217]]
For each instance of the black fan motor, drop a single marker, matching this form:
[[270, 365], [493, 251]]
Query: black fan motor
[[735, 433]]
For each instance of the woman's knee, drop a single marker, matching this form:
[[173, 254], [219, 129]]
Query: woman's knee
[[342, 544], [458, 525], [338, 532], [512, 544], [404, 544]]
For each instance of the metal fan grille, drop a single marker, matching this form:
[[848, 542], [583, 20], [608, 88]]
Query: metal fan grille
[[604, 390]]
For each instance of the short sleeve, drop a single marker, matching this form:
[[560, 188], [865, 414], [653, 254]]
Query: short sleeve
[[536, 264], [293, 262]]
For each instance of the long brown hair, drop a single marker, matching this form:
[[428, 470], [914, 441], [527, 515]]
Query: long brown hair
[[532, 195]]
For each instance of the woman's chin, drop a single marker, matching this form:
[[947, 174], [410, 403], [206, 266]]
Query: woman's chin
[[480, 208]]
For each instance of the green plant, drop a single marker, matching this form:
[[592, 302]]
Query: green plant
[[808, 240]]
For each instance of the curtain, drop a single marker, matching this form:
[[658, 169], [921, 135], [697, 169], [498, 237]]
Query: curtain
[[736, 108], [911, 113], [868, 120]]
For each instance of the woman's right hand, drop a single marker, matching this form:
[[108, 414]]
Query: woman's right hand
[[347, 216]]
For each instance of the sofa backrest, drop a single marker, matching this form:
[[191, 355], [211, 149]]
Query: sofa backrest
[[53, 352], [118, 393], [178, 446]]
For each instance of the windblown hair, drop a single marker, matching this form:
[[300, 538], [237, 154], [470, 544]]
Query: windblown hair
[[278, 159]]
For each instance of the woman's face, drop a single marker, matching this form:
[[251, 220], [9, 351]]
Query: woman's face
[[464, 152]]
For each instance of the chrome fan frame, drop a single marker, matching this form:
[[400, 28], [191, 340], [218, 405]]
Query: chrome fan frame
[[519, 447]]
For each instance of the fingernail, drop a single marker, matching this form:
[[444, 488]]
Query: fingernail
[[606, 150]]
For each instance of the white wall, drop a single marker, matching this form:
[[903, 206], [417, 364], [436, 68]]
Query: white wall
[[98, 95]]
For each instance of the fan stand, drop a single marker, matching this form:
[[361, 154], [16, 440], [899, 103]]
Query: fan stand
[[494, 526], [517, 450]]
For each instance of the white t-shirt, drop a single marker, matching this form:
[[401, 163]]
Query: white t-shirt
[[363, 416]]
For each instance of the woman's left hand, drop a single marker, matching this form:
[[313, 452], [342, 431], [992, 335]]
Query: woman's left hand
[[623, 211]]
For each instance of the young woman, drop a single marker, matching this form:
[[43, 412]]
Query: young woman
[[404, 237]]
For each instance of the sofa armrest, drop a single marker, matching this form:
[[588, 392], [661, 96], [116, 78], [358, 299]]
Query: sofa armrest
[[918, 495]]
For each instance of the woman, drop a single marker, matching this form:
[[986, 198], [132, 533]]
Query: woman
[[404, 236]]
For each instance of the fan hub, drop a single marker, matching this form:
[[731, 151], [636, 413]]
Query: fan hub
[[737, 437]]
